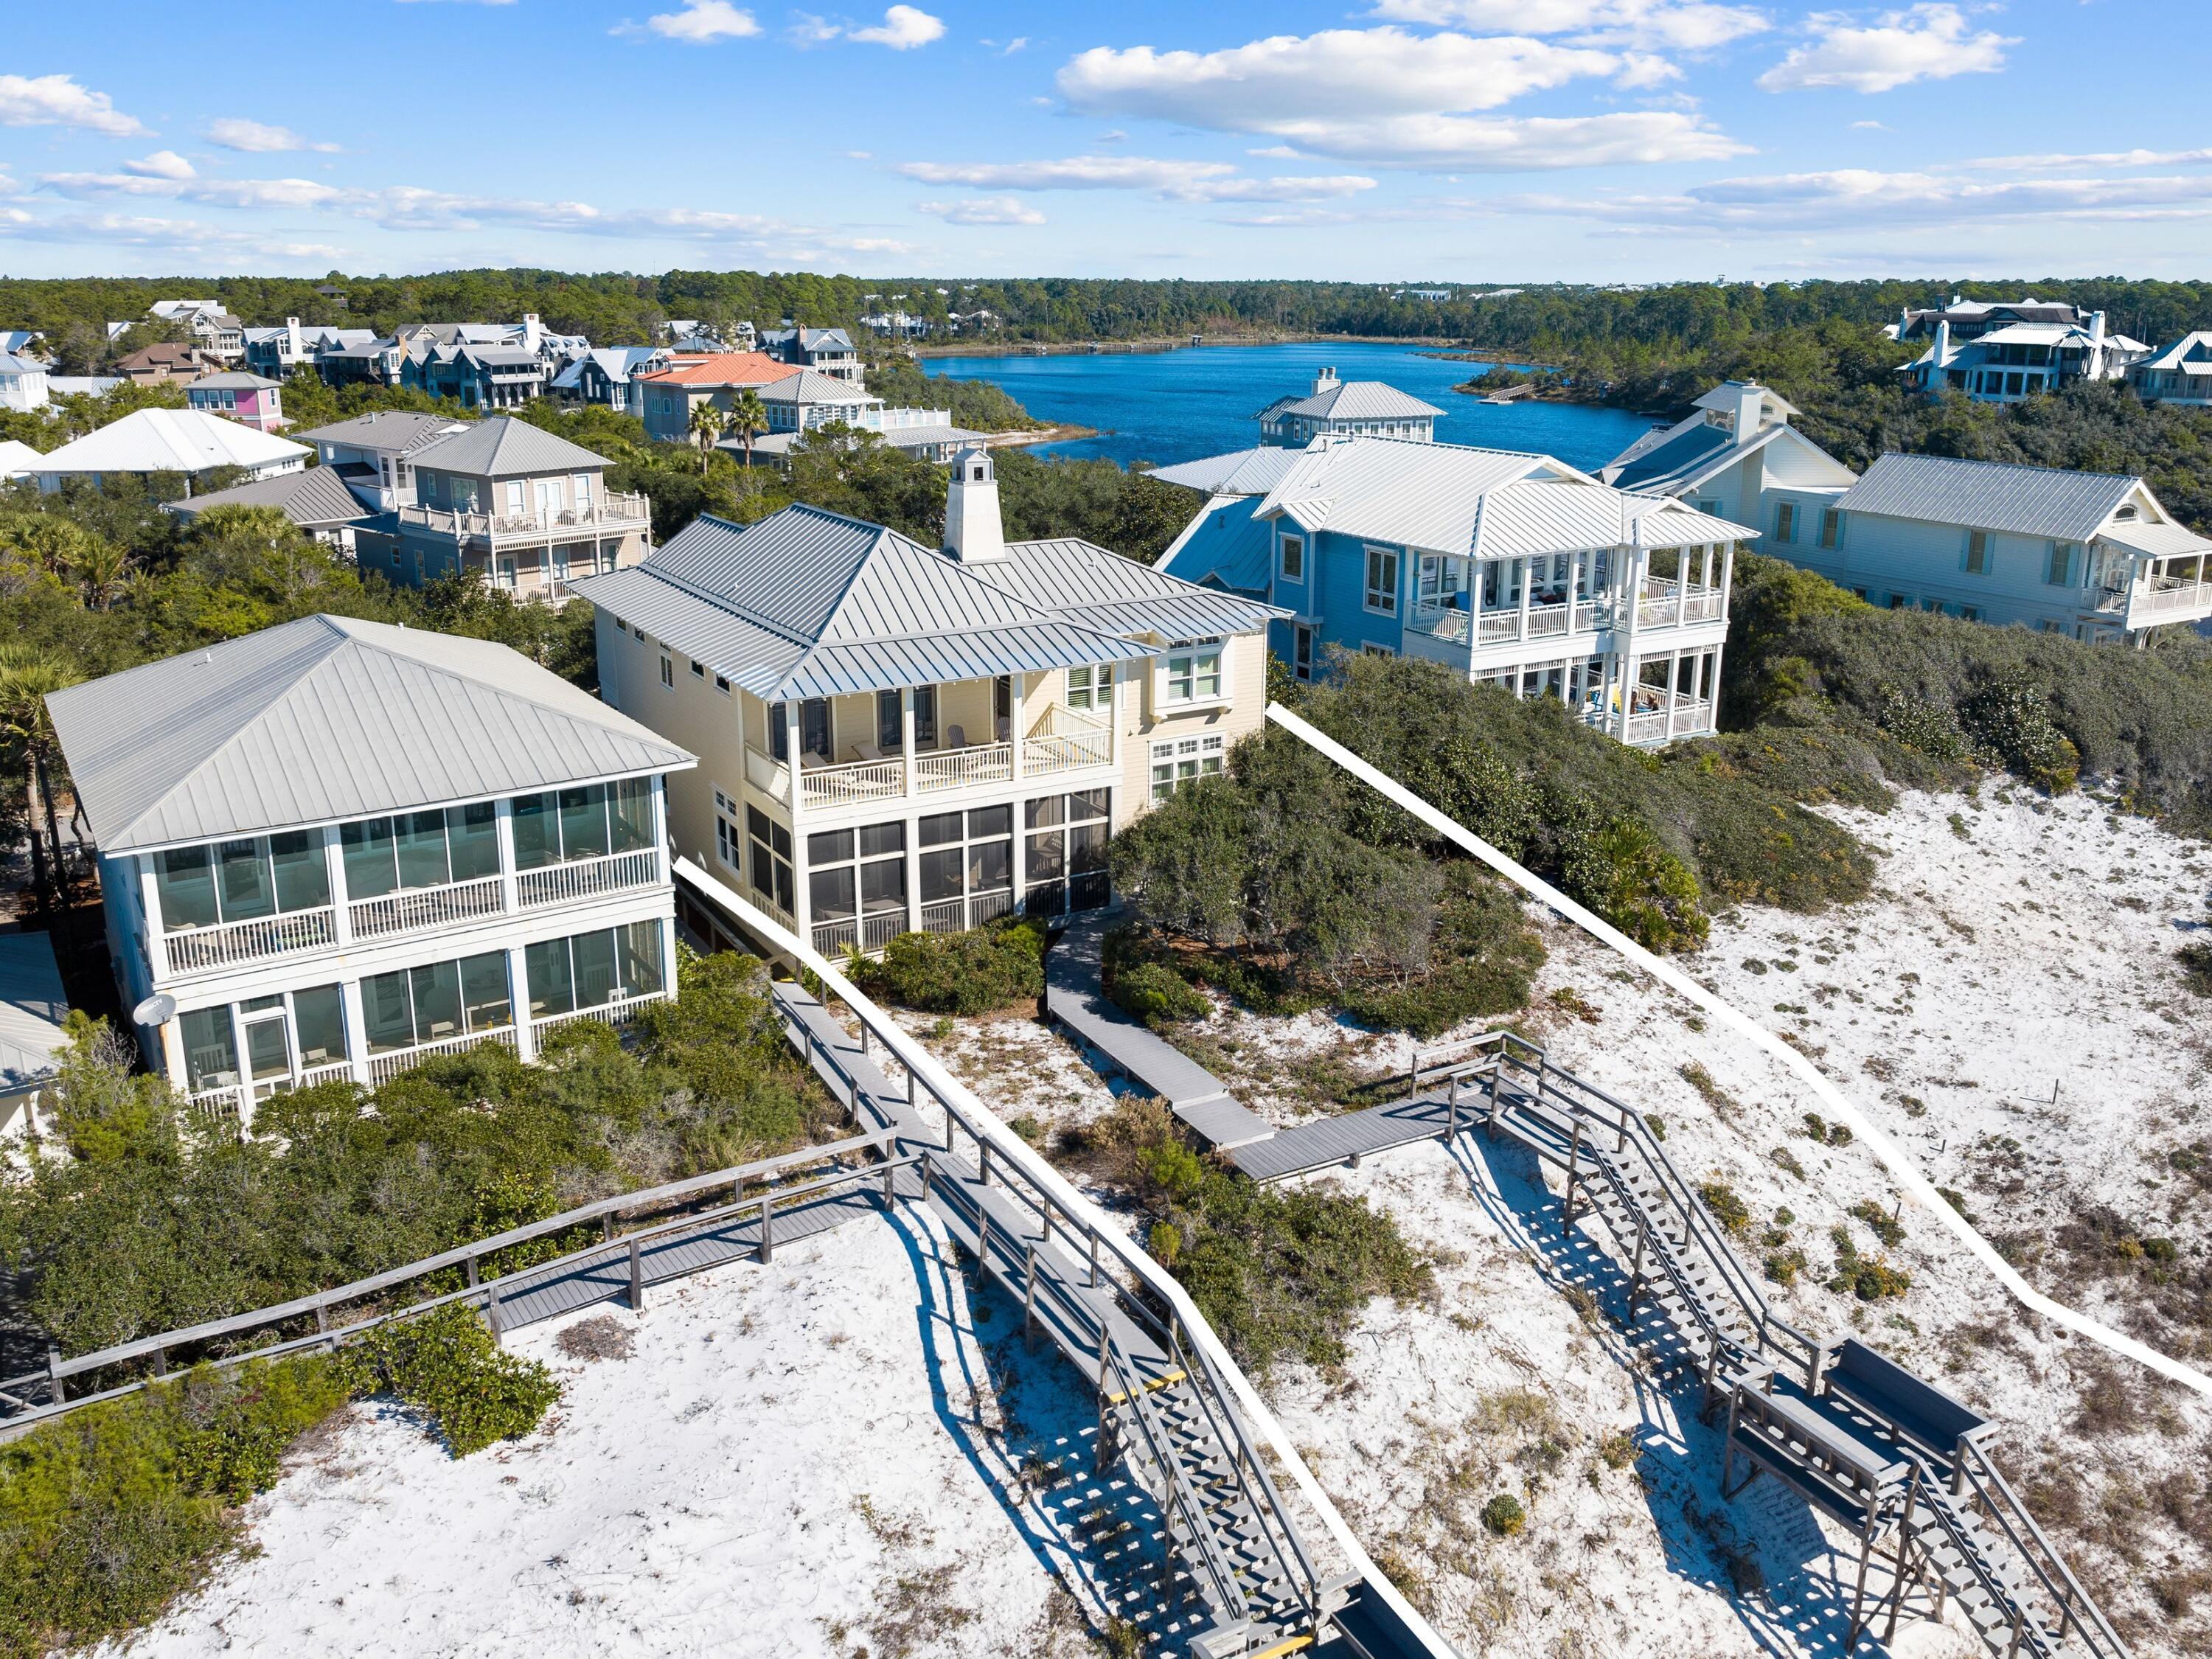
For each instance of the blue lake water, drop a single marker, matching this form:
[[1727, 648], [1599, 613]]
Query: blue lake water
[[1169, 406]]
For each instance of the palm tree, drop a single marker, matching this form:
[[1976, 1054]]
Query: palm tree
[[748, 419], [705, 429], [26, 675], [101, 570]]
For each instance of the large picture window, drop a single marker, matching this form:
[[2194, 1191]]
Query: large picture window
[[586, 822], [241, 880], [437, 1000], [1064, 850], [860, 872], [966, 857]]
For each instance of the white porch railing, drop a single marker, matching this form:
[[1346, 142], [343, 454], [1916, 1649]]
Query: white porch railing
[[957, 915], [2166, 597], [960, 769], [228, 1102], [561, 884], [1691, 717], [1064, 740], [200, 948], [1662, 603], [856, 781], [611, 1013], [382, 1068], [615, 511], [867, 934], [423, 907]]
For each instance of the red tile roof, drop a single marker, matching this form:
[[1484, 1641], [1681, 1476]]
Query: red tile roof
[[723, 369]]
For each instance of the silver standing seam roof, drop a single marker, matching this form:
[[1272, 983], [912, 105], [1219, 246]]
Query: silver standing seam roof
[[1240, 472], [812, 604], [398, 431], [2025, 501], [33, 1006], [326, 718], [1356, 400]]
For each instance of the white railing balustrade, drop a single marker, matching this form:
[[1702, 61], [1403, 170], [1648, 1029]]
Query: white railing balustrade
[[960, 769], [866, 934], [423, 907], [2167, 597], [608, 1013], [957, 915], [856, 781], [1689, 718], [561, 884], [1063, 740], [382, 1068], [611, 511], [766, 774], [228, 1102], [233, 942], [1500, 625]]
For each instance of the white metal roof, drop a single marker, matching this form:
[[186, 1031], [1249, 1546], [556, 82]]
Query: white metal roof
[[325, 718], [1358, 400], [2191, 354], [809, 387], [2027, 500], [17, 458], [170, 440], [2159, 541], [1240, 472], [1088, 584]]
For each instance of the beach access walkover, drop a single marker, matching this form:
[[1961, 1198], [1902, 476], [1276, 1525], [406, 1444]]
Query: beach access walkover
[[1075, 995]]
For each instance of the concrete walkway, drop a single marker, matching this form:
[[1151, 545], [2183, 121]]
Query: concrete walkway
[[1075, 995]]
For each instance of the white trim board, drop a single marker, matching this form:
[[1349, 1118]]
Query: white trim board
[[1907, 1174]]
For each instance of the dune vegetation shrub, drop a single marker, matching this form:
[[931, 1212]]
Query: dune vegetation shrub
[[444, 1364], [1503, 1517], [975, 972], [109, 1513]]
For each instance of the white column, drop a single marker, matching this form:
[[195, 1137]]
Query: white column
[[1681, 585], [518, 988], [906, 738], [802, 909], [357, 1029], [503, 829], [1713, 685], [912, 872], [1017, 686], [660, 829], [150, 905], [667, 925], [1527, 591], [1673, 689], [1728, 575], [334, 876]]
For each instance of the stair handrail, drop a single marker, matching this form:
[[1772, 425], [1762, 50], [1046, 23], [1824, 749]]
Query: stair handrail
[[2076, 1608]]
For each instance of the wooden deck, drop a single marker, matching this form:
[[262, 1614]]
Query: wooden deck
[[1075, 996], [605, 1276], [1350, 1135]]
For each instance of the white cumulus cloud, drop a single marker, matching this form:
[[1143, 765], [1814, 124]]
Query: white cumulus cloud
[[1920, 43], [1074, 173], [984, 210], [161, 164], [259, 138], [703, 21], [1683, 25], [903, 29], [57, 100]]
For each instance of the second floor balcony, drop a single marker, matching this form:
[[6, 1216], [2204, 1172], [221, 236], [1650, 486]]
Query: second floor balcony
[[231, 904], [614, 512], [1663, 603], [1058, 740]]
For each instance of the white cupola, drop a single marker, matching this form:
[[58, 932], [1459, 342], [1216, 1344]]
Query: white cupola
[[974, 533]]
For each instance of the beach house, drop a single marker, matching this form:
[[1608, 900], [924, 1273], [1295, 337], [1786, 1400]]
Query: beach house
[[526, 509], [2094, 556], [667, 393], [249, 399], [2181, 374], [374, 454], [1335, 408], [147, 441], [1515, 570], [2003, 352], [1736, 456], [334, 847], [896, 738]]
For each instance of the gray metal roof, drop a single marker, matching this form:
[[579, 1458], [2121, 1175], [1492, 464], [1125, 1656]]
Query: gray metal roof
[[2191, 354], [1087, 584], [503, 446], [396, 431], [809, 387], [326, 718], [2025, 501], [809, 603], [33, 1006], [12, 364], [234, 381], [1240, 472], [312, 499]]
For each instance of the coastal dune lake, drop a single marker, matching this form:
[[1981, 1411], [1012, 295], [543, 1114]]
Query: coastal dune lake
[[1169, 406]]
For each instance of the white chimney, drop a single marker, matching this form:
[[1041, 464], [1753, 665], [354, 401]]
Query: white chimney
[[1942, 353], [530, 330], [1750, 400], [2096, 328], [295, 348], [974, 533], [1326, 380]]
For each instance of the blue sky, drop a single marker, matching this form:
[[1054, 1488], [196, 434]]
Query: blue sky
[[1464, 140]]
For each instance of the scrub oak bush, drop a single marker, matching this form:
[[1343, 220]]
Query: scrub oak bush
[[111, 1512], [444, 1364], [970, 973]]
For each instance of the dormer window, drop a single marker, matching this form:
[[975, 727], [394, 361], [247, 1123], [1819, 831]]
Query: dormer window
[[2125, 513]]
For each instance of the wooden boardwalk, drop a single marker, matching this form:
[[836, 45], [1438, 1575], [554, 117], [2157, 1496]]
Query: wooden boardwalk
[[1350, 1135], [526, 1298], [1075, 995]]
